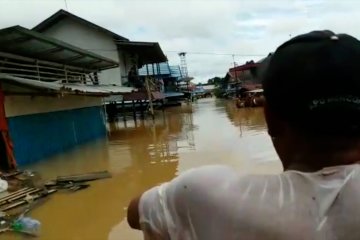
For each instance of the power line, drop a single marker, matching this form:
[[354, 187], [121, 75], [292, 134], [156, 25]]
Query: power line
[[194, 53], [221, 54]]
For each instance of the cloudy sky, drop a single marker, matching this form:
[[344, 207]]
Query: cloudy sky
[[210, 31]]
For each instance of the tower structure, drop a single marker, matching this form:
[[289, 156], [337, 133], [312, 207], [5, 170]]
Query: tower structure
[[183, 64]]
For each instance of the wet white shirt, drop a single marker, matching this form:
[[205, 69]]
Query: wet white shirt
[[215, 202]]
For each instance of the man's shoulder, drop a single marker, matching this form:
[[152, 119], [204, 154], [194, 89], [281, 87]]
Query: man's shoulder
[[214, 181], [206, 175]]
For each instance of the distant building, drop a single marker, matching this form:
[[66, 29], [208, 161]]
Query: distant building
[[248, 75], [209, 87], [242, 78], [245, 73], [50, 98], [166, 75]]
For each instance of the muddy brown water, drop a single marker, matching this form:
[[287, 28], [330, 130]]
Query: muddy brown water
[[143, 155]]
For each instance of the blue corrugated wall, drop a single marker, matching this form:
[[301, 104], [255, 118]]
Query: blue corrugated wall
[[39, 136]]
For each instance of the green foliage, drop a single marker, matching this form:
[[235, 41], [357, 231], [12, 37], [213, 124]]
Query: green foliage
[[216, 81], [218, 92]]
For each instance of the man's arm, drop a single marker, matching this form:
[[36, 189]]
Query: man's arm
[[160, 211], [133, 216]]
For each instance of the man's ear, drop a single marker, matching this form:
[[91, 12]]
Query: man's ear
[[274, 123]]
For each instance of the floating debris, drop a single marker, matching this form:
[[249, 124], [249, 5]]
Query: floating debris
[[26, 188], [19, 223], [67, 185], [3, 185], [37, 195], [76, 182], [84, 177]]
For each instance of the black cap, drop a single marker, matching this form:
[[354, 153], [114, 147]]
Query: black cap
[[313, 82]]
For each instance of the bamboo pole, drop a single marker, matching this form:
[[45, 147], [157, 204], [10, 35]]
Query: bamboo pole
[[148, 90]]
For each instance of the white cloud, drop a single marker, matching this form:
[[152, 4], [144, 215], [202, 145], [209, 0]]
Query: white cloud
[[245, 27]]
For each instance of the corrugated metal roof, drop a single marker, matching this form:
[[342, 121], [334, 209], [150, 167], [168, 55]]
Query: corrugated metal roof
[[107, 89], [186, 79], [209, 87], [54, 87], [141, 95], [164, 69], [61, 14], [147, 52], [173, 94], [176, 71], [27, 43], [244, 67]]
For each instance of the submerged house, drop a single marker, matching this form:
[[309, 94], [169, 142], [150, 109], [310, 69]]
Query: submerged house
[[131, 55], [248, 75], [242, 78], [167, 77], [245, 75], [81, 33], [51, 96]]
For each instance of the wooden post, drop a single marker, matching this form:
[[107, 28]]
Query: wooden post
[[83, 77], [148, 90], [96, 78], [123, 110], [37, 69], [66, 77], [149, 97], [153, 70], [147, 70], [134, 110], [142, 109]]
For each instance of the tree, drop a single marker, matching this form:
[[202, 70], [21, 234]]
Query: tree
[[215, 81]]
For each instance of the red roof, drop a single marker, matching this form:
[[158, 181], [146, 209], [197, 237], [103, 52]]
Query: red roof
[[243, 67]]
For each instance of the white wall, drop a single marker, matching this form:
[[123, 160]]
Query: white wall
[[209, 87], [24, 105], [88, 38]]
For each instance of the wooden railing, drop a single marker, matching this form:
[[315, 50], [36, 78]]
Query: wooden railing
[[29, 68]]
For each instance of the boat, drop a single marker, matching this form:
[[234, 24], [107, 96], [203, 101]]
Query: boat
[[253, 98]]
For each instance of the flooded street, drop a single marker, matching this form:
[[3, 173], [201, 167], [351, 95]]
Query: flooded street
[[210, 131]]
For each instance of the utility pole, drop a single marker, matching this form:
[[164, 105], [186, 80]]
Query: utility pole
[[236, 79]]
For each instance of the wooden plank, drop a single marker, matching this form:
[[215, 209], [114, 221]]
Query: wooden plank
[[15, 193], [22, 202], [11, 174], [84, 177], [19, 196]]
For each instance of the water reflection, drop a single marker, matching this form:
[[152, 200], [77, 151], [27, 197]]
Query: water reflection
[[145, 154]]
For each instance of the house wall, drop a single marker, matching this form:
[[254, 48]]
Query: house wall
[[25, 105], [86, 37], [247, 76], [41, 127]]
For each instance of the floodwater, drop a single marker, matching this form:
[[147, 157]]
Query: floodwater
[[140, 156]]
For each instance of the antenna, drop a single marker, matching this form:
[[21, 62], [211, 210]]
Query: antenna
[[66, 6], [233, 57]]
